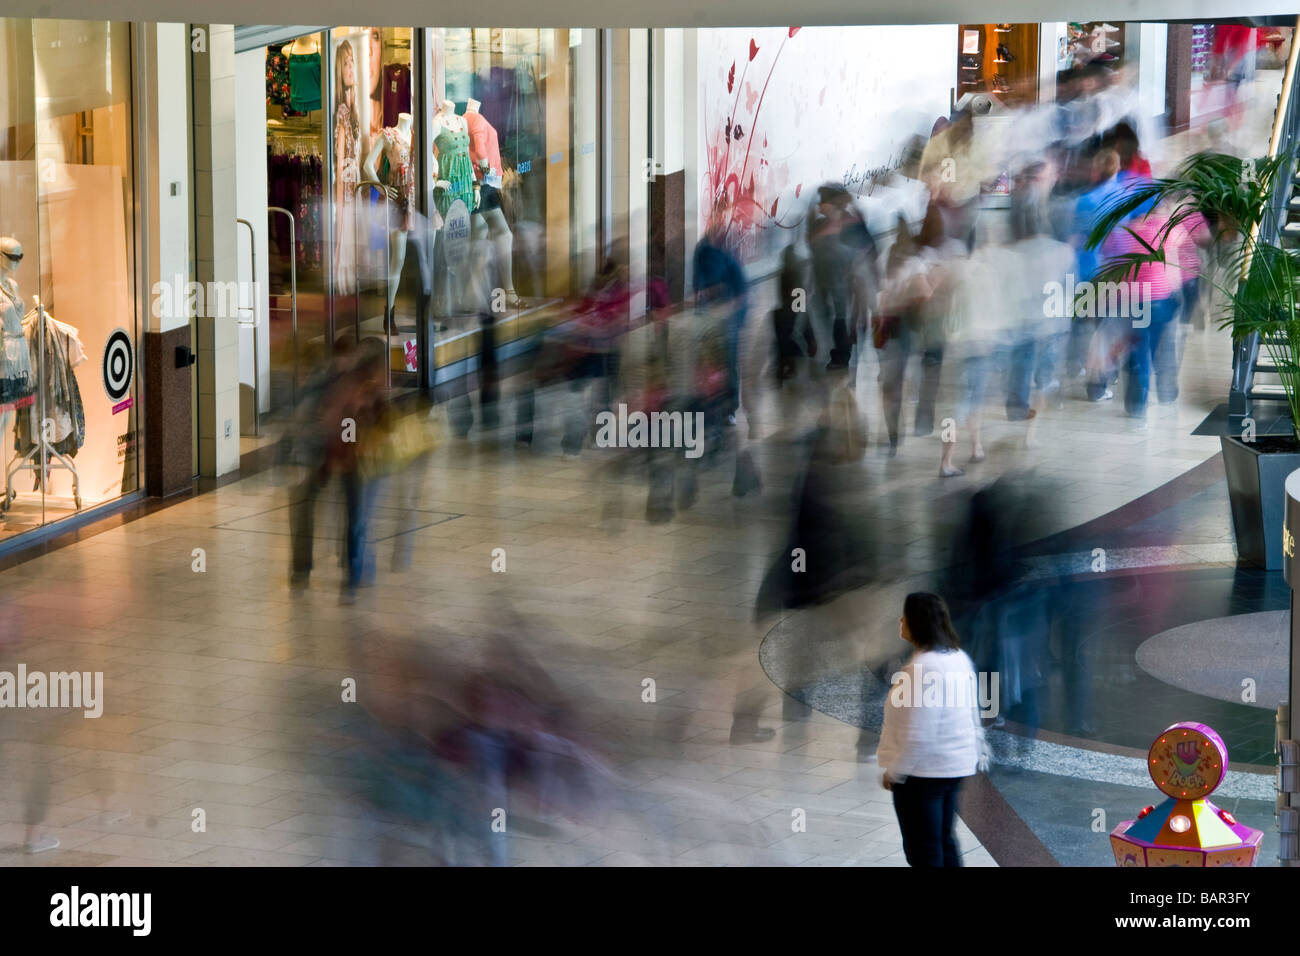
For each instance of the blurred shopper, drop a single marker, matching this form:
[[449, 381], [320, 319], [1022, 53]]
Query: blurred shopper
[[928, 747], [1153, 292], [906, 288], [976, 331], [1041, 321], [844, 262], [1099, 332], [335, 426], [793, 333], [719, 278]]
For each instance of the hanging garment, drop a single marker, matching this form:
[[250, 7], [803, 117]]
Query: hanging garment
[[17, 380], [455, 166], [62, 406], [277, 81], [483, 145], [401, 176], [397, 92], [304, 81]]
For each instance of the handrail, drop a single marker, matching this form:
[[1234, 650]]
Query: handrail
[[257, 370], [1268, 230], [388, 277], [293, 294]]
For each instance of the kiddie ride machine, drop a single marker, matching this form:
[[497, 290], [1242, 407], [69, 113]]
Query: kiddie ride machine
[[1187, 762]]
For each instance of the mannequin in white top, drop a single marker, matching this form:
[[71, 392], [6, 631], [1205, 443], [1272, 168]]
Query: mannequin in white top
[[490, 221], [395, 145]]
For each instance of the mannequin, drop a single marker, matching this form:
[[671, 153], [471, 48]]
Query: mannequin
[[489, 218], [395, 145], [17, 379], [451, 147], [304, 74]]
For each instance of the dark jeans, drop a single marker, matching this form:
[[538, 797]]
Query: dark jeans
[[926, 809], [1154, 345], [302, 520], [359, 498]]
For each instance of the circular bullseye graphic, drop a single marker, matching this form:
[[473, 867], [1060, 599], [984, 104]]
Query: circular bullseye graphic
[[1188, 761], [119, 365]]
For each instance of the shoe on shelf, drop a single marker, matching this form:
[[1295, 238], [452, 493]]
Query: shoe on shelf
[[1108, 28], [1004, 54], [1002, 28]]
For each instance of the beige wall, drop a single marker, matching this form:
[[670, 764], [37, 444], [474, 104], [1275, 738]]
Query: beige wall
[[216, 257]]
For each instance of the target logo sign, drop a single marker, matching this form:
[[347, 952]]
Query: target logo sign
[[119, 365]]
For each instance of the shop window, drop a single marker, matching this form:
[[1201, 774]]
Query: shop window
[[68, 363]]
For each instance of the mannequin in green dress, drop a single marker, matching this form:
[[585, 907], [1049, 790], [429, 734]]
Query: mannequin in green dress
[[451, 146], [456, 181]]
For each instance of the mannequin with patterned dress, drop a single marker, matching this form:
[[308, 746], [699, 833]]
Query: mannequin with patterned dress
[[395, 145]]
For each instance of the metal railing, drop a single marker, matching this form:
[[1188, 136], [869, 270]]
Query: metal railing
[[1242, 393]]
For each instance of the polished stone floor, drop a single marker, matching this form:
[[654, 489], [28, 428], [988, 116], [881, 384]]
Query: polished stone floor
[[222, 685]]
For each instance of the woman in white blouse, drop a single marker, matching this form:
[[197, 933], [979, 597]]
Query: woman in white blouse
[[932, 737]]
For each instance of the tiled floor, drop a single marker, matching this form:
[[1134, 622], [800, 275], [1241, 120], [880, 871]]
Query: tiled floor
[[222, 686]]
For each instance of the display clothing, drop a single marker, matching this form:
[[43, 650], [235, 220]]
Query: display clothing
[[63, 407], [277, 81], [294, 183], [304, 81], [17, 381], [349, 173], [489, 198], [483, 145], [401, 175], [455, 166], [397, 92]]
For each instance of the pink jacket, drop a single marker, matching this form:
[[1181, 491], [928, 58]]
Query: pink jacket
[[483, 145]]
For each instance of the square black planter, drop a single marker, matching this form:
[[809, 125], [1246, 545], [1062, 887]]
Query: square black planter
[[1256, 489]]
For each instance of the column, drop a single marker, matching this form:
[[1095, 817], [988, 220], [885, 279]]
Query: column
[[215, 236]]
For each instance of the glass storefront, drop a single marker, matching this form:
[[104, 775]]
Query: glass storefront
[[481, 201], [68, 364]]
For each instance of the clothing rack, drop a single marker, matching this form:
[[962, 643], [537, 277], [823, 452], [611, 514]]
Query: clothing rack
[[41, 446], [294, 143]]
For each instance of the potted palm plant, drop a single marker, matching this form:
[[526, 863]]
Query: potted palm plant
[[1258, 282]]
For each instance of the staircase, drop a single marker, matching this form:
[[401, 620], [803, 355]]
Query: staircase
[[1254, 378]]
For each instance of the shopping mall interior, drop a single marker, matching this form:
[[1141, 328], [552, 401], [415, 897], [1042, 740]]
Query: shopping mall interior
[[380, 564]]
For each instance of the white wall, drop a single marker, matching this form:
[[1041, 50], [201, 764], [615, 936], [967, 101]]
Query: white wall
[[250, 191], [169, 150], [827, 104]]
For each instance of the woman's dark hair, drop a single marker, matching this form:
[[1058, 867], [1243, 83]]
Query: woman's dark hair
[[929, 623]]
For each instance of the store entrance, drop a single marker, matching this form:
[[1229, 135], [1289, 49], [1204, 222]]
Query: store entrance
[[324, 122]]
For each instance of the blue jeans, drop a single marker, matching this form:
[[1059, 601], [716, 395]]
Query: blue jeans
[[926, 809], [359, 497], [1156, 344], [1020, 374]]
